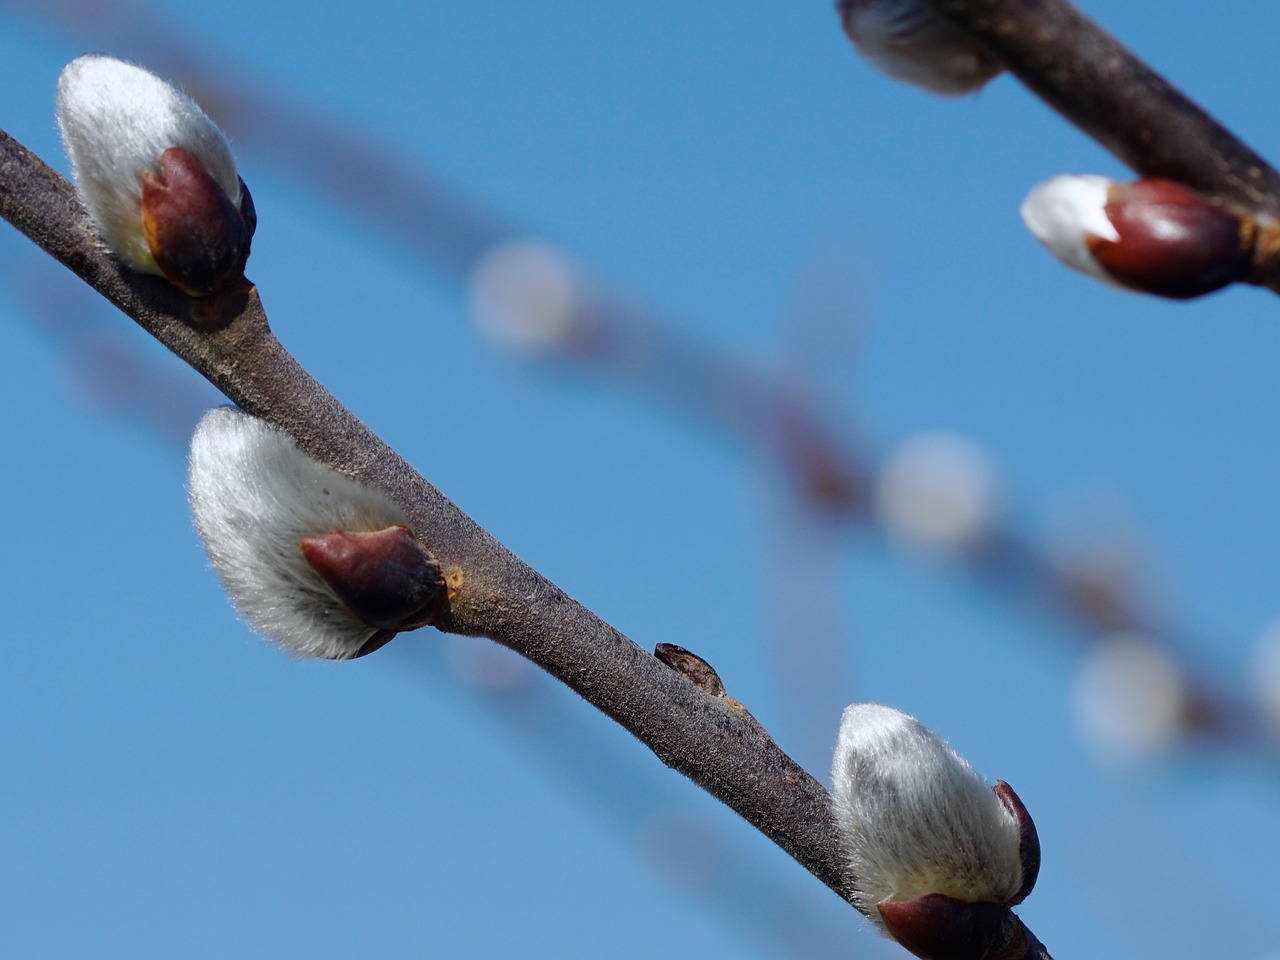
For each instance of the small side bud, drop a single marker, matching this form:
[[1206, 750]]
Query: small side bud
[[937, 858], [696, 670], [1153, 235], [908, 41], [155, 174], [323, 565]]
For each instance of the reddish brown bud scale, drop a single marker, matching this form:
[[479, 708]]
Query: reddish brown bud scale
[[248, 215], [198, 238], [385, 577], [1173, 241], [376, 642], [1029, 846], [938, 927]]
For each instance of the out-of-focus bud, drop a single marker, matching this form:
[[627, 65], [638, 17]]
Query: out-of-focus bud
[[526, 294], [1130, 698], [910, 42], [937, 491], [1152, 235], [1264, 677], [322, 565], [155, 173], [936, 856]]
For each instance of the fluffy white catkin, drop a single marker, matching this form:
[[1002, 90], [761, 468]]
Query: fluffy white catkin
[[914, 818], [255, 497], [1064, 212], [116, 119]]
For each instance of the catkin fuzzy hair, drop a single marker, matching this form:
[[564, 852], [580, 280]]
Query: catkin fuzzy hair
[[255, 497], [914, 818]]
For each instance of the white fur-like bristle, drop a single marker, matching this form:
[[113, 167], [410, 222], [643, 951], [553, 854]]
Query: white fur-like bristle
[[116, 119], [914, 818], [1065, 210], [910, 42], [256, 497]]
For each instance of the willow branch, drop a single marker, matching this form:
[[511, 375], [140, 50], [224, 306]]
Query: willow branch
[[1100, 86], [691, 727], [492, 592]]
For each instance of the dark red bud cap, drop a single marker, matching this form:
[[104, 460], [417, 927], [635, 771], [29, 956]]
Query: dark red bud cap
[[938, 927], [1173, 241], [1029, 847], [386, 577], [197, 236]]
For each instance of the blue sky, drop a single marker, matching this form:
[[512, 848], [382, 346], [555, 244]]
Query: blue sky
[[175, 787]]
